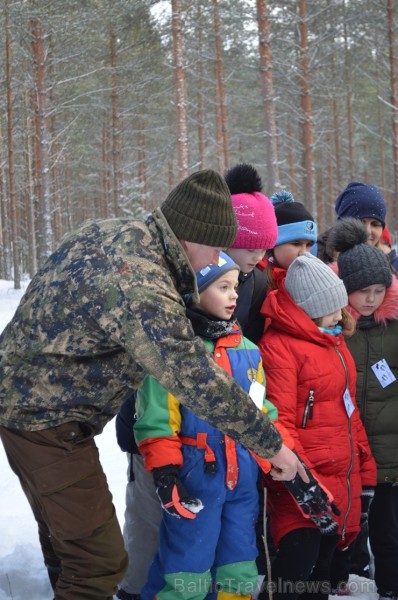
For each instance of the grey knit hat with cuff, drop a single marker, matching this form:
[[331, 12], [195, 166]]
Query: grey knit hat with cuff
[[314, 287], [199, 209]]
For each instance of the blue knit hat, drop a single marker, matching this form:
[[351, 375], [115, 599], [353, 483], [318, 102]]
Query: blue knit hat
[[294, 220], [209, 274], [361, 201]]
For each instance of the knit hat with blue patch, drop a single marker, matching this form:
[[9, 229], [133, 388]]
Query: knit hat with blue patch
[[209, 274], [294, 220], [361, 201]]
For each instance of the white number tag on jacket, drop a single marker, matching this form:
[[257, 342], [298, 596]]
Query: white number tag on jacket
[[383, 373], [256, 393], [348, 403]]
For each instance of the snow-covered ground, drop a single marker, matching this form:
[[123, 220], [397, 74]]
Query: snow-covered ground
[[22, 573]]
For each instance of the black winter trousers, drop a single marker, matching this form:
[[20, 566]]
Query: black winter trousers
[[301, 568], [383, 537]]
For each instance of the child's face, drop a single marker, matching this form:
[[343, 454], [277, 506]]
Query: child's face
[[219, 299], [375, 229], [330, 321], [368, 300], [285, 254], [246, 259]]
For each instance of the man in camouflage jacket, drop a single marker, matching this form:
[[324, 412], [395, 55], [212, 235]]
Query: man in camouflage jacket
[[105, 311]]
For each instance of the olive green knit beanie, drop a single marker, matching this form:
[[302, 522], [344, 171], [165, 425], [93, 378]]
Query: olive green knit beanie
[[199, 209]]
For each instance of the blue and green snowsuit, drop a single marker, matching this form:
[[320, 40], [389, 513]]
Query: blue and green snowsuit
[[219, 545]]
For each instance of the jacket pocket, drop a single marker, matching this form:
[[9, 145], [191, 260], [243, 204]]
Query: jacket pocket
[[363, 452], [322, 459]]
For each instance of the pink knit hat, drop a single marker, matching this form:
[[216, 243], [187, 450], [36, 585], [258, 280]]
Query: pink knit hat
[[257, 226]]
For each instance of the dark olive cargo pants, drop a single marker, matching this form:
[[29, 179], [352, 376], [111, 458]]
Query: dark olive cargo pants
[[81, 541]]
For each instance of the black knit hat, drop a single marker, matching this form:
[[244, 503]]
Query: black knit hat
[[360, 264], [199, 209], [294, 220]]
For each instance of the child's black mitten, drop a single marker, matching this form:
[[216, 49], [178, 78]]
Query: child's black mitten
[[173, 496]]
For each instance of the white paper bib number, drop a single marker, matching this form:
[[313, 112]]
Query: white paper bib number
[[383, 373], [256, 393], [349, 406]]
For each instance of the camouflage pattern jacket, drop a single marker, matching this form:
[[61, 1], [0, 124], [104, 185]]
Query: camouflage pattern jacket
[[105, 311]]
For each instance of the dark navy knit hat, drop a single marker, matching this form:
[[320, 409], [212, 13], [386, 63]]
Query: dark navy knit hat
[[361, 201]]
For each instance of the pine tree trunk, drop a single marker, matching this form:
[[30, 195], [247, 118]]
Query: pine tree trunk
[[30, 199], [142, 168], [5, 220], [348, 85], [223, 151], [306, 112], [201, 93], [2, 261], [11, 163], [105, 197], [337, 152], [181, 99], [394, 107], [381, 137], [115, 129], [320, 196], [46, 235], [330, 198], [56, 204], [335, 185], [290, 156], [267, 93]]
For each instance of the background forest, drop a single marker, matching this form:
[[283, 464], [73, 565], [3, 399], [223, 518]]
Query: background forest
[[107, 104]]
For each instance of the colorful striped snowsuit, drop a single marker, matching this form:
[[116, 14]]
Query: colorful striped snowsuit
[[217, 549]]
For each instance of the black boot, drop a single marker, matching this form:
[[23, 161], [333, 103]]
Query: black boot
[[122, 595]]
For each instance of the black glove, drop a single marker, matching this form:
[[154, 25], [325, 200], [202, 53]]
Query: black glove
[[314, 502], [366, 499], [173, 496]]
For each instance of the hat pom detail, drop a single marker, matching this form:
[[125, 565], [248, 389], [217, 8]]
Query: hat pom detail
[[282, 196], [345, 234], [243, 179]]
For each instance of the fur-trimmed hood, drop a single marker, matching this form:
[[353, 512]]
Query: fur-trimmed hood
[[388, 310]]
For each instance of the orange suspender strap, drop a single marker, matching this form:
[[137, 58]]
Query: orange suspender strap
[[200, 442], [231, 475]]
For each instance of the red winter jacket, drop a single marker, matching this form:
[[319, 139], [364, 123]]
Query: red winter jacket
[[307, 372]]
